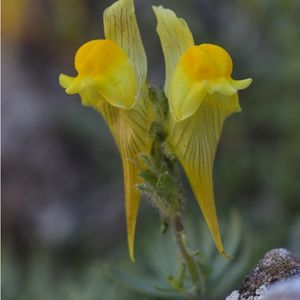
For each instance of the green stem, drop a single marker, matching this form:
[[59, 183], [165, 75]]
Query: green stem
[[187, 257], [159, 157]]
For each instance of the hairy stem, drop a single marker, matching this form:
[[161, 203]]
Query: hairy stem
[[187, 257], [172, 198]]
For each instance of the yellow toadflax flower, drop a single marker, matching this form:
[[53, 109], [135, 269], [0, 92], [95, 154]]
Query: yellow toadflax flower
[[201, 96], [111, 79]]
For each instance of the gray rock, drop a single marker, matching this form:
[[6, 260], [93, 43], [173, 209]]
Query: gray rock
[[284, 290], [276, 265], [275, 277]]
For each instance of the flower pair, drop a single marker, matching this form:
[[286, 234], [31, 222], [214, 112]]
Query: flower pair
[[201, 93]]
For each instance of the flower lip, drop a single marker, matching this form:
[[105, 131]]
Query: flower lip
[[97, 57], [104, 71], [201, 71], [206, 62]]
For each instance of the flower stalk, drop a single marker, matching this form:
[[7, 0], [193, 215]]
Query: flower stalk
[[162, 186], [186, 256]]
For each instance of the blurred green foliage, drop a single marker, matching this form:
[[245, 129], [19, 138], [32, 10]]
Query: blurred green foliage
[[151, 277]]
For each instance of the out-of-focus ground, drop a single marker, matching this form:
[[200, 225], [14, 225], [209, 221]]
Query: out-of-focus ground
[[62, 193]]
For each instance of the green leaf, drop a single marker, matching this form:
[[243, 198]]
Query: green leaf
[[147, 286]]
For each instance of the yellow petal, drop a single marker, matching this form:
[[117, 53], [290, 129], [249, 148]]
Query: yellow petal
[[201, 70], [175, 37], [73, 85], [130, 130], [205, 62], [222, 86], [194, 142], [220, 59], [241, 84], [229, 104], [226, 86], [111, 79], [120, 26], [104, 71], [185, 96], [65, 81], [104, 66], [90, 97]]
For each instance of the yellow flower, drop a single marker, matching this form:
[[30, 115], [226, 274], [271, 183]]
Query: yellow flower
[[201, 96], [111, 75]]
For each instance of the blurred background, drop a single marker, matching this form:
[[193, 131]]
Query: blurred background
[[63, 224]]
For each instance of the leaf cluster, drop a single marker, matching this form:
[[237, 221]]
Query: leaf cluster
[[160, 186]]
